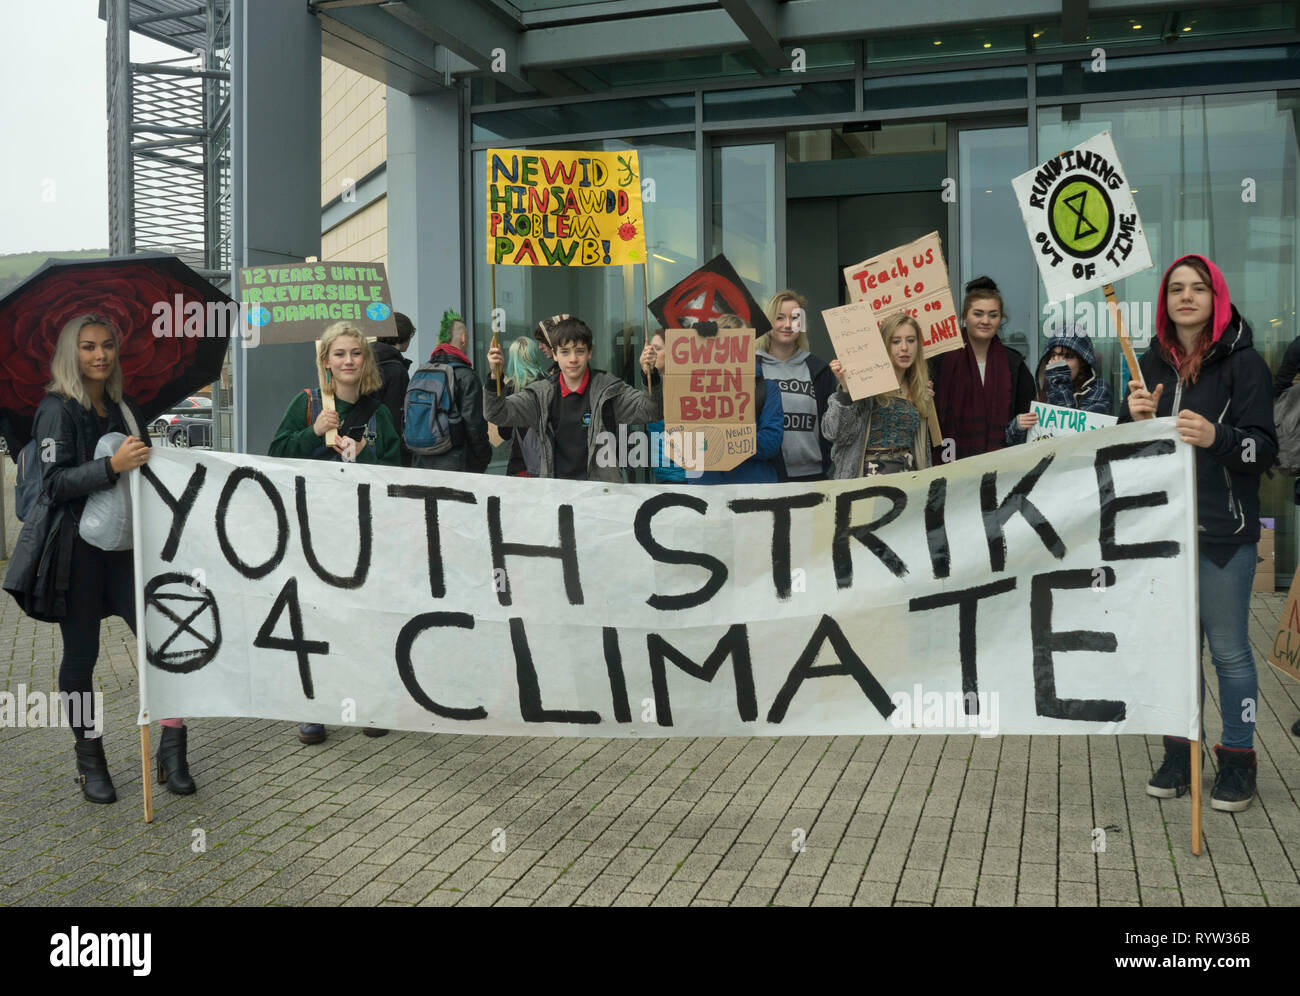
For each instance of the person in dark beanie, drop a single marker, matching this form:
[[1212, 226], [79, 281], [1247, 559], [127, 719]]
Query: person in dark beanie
[[393, 368], [1067, 378]]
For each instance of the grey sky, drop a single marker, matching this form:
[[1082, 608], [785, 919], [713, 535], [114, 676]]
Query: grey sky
[[53, 127]]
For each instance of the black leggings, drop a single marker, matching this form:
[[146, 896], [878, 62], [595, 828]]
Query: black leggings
[[102, 583]]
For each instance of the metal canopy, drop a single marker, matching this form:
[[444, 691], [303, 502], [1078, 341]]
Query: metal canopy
[[179, 23], [539, 48]]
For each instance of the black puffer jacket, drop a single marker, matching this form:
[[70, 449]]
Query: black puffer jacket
[[1234, 390]]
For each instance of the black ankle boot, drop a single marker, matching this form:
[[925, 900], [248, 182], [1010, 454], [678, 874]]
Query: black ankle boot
[[92, 771], [173, 768], [1234, 786], [1175, 775]]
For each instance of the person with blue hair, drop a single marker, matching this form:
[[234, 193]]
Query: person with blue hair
[[524, 364]]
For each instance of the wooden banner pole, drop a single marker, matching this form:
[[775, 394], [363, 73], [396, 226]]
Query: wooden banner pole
[[147, 782], [1196, 793], [645, 304], [493, 321], [1135, 371], [936, 433]]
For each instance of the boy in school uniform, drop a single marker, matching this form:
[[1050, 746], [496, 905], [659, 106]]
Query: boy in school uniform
[[574, 406]]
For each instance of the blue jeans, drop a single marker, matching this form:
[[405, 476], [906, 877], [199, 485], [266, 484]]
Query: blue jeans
[[1225, 619]]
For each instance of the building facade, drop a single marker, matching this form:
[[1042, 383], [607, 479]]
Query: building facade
[[798, 138]]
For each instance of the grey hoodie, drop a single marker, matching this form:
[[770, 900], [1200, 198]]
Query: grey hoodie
[[531, 409], [801, 445]]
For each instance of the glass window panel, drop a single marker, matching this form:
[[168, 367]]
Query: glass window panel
[[609, 299], [648, 72], [814, 145], [931, 89], [993, 240], [822, 57], [939, 45], [1202, 70], [1137, 29], [1240, 19], [834, 97], [1193, 25], [1188, 160], [585, 116], [744, 213]]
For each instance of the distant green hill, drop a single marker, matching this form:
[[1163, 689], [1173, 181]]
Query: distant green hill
[[16, 267]]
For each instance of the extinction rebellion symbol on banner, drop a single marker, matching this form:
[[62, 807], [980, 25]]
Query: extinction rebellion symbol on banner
[[1082, 220]]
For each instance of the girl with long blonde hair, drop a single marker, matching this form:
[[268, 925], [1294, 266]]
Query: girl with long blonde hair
[[83, 583], [887, 433], [345, 365]]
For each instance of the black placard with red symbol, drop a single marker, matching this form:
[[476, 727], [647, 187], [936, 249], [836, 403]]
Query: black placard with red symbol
[[714, 289]]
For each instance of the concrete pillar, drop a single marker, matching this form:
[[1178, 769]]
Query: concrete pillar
[[425, 261], [275, 186]]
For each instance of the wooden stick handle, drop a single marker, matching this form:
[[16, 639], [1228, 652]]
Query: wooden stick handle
[[146, 768], [936, 434], [1135, 371], [326, 400], [645, 303], [493, 322], [1196, 796]]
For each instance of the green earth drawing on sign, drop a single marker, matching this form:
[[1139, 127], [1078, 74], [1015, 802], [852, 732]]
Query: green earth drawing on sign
[[1081, 217]]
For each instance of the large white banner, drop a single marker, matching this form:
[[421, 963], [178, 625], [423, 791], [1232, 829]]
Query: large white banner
[[1046, 589]]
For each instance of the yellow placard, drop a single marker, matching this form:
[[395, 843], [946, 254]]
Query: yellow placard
[[558, 208]]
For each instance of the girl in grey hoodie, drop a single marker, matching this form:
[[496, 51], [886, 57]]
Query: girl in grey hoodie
[[806, 385]]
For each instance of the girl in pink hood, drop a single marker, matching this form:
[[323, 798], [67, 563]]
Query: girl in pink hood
[[1204, 369]]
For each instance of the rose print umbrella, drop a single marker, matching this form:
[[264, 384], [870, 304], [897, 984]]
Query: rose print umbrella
[[157, 371]]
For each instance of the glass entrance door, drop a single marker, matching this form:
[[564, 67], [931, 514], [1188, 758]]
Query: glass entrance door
[[992, 235], [745, 191]]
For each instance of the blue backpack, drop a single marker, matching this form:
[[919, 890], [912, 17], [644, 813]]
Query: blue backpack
[[431, 415]]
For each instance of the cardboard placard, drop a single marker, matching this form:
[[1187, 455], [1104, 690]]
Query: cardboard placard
[[1053, 420], [1285, 652], [548, 207], [912, 278], [855, 333], [1265, 560], [715, 289], [299, 301], [709, 390], [1082, 220]]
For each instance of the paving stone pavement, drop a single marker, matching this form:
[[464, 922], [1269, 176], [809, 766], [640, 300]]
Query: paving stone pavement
[[444, 820]]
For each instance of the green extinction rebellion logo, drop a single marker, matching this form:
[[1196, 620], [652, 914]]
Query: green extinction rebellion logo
[[1081, 217]]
